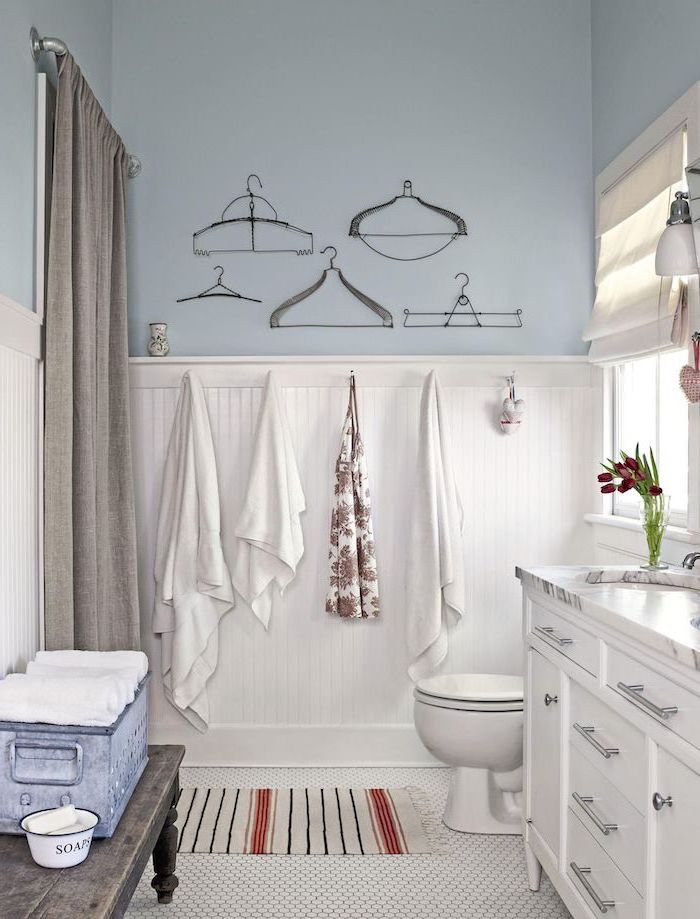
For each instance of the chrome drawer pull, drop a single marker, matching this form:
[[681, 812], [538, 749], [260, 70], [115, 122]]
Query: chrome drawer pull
[[549, 632], [588, 733], [660, 802], [634, 694], [603, 905], [549, 699], [585, 804]]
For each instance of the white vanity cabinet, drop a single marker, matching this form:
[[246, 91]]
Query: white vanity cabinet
[[612, 757]]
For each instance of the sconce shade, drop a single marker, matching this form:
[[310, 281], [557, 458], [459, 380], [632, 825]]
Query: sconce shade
[[675, 252]]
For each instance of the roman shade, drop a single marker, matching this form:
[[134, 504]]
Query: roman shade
[[636, 312]]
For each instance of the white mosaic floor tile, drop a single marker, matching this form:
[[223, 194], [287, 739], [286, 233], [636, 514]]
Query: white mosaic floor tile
[[475, 877]]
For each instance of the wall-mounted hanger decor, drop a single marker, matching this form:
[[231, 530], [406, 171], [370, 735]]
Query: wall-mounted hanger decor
[[463, 315], [376, 308], [218, 290], [244, 230], [413, 230], [513, 409]]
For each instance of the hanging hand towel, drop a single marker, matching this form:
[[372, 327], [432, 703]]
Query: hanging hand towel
[[193, 584], [354, 590], [269, 535], [435, 565]]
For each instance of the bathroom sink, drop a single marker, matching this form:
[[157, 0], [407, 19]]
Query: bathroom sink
[[644, 588]]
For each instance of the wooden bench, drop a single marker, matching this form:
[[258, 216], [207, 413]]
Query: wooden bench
[[104, 884]]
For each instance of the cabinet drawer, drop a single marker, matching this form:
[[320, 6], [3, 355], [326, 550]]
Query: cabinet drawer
[[659, 698], [614, 746], [599, 881], [572, 642], [618, 827]]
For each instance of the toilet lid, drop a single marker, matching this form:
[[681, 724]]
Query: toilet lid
[[473, 687], [464, 705]]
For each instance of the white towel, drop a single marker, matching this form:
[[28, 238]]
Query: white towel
[[270, 539], [132, 660], [435, 569], [193, 583], [91, 701], [124, 679]]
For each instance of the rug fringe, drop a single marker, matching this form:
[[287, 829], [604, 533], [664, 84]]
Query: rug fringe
[[435, 830]]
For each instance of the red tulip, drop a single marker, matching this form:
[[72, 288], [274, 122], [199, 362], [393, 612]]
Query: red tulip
[[625, 485], [639, 476], [605, 477], [632, 463], [608, 489], [655, 490]]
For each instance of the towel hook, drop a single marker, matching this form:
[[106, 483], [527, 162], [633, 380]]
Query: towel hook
[[333, 257], [253, 175]]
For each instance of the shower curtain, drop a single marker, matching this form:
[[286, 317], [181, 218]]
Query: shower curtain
[[91, 599]]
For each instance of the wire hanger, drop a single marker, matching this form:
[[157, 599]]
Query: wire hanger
[[218, 290], [464, 316], [377, 309], [257, 234], [431, 238]]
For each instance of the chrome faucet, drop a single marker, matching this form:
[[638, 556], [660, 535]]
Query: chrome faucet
[[690, 560]]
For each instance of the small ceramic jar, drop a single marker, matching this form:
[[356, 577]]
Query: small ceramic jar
[[158, 346]]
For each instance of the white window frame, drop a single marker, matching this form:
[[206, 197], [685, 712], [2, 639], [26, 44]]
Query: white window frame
[[684, 113]]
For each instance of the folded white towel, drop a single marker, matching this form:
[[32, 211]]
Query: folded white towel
[[133, 660], [125, 679], [270, 541], [91, 701], [435, 563], [193, 583]]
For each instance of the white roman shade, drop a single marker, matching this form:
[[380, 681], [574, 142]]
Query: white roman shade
[[636, 312]]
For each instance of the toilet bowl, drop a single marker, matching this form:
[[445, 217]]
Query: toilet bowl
[[474, 723]]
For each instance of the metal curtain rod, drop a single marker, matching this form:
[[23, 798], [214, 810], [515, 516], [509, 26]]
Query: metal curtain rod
[[58, 47]]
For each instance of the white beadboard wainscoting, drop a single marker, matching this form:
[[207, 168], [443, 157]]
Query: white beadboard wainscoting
[[318, 690], [20, 414]]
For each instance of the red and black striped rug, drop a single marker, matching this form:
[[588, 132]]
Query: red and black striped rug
[[300, 821]]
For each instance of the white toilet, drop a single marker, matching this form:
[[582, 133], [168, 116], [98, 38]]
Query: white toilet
[[474, 723]]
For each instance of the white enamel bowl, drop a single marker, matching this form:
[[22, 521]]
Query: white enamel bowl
[[62, 850]]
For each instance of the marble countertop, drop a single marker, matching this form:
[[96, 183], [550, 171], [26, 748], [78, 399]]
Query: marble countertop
[[658, 615]]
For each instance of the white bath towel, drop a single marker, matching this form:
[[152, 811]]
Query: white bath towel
[[91, 701], [132, 660], [124, 679], [270, 542], [193, 583], [435, 564]]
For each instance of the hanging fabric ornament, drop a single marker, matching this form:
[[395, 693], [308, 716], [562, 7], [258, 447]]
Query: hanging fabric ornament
[[513, 409], [690, 376]]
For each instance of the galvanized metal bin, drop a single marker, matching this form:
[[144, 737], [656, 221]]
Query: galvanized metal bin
[[46, 765]]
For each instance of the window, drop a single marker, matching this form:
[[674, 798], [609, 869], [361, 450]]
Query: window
[[649, 408]]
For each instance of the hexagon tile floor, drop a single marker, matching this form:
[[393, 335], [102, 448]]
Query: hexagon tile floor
[[476, 877]]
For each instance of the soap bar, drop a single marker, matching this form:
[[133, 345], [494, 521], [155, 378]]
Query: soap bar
[[49, 821]]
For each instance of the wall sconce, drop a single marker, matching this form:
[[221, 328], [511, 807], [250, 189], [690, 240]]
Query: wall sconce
[[675, 252]]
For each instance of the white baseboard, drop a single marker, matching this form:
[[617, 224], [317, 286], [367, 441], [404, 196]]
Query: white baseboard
[[297, 745]]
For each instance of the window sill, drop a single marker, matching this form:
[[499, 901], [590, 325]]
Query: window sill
[[675, 534]]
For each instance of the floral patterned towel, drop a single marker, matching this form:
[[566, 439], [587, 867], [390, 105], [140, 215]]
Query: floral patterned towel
[[354, 591]]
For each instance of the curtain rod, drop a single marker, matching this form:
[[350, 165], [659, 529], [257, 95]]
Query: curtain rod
[[58, 47]]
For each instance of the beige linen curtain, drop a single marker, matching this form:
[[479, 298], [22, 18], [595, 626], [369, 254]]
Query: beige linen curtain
[[91, 597]]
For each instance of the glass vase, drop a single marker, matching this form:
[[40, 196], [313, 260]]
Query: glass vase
[[654, 512]]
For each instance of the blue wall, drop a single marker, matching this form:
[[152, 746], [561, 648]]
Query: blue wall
[[486, 106], [86, 26], [645, 56]]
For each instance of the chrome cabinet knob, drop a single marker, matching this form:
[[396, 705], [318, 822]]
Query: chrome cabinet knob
[[549, 699], [660, 802]]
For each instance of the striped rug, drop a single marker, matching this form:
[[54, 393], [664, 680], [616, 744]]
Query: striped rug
[[300, 821]]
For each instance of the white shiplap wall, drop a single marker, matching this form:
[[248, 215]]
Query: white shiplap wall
[[315, 688], [19, 493]]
